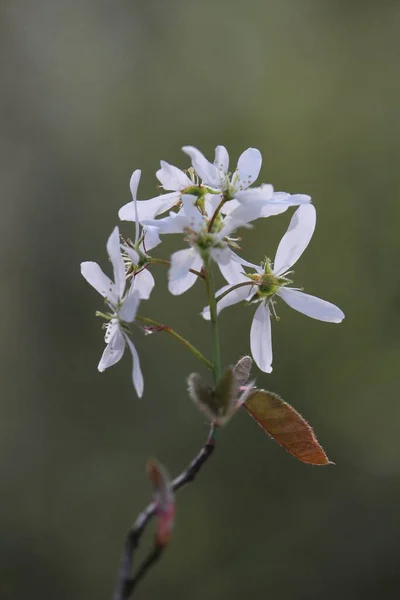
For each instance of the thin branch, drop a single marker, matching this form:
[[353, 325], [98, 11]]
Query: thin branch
[[153, 556], [234, 287], [126, 581], [189, 474], [160, 327], [216, 212]]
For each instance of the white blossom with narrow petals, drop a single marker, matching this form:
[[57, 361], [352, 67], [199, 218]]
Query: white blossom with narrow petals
[[146, 239], [213, 178], [267, 282], [171, 178], [235, 186], [123, 308], [207, 237]]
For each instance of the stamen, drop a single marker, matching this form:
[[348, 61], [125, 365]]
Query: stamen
[[272, 303], [286, 273]]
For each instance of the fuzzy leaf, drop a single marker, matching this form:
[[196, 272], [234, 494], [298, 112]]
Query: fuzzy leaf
[[225, 392], [286, 426], [199, 390], [219, 403], [242, 370]]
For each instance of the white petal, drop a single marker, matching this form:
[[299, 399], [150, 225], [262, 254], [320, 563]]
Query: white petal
[[128, 310], [180, 279], [296, 239], [260, 338], [242, 215], [101, 283], [172, 178], [112, 329], [133, 255], [148, 209], [181, 285], [264, 193], [311, 306], [195, 218], [134, 184], [113, 352], [245, 213], [273, 208], [151, 239], [204, 169], [175, 223], [137, 376], [245, 263], [229, 207], [114, 252], [292, 199], [221, 159], [249, 166], [221, 256], [232, 270], [238, 295], [143, 282], [281, 201]]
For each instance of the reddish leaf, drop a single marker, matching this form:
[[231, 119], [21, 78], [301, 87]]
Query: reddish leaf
[[283, 423], [164, 501]]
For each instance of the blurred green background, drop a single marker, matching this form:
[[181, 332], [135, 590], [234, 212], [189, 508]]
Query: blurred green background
[[92, 90]]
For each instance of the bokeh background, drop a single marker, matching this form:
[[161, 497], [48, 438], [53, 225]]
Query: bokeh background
[[91, 90]]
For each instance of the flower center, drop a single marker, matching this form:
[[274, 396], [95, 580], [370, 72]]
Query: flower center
[[195, 190], [268, 284], [203, 241]]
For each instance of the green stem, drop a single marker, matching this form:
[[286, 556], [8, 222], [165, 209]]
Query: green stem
[[234, 287], [178, 337], [214, 321], [159, 261]]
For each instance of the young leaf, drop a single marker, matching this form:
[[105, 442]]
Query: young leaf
[[242, 370], [219, 404], [164, 501], [225, 392], [286, 426]]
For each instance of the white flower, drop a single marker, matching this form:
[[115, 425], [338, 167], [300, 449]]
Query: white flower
[[216, 179], [265, 202], [217, 174], [123, 309], [207, 236], [142, 279], [171, 178], [149, 236], [268, 282]]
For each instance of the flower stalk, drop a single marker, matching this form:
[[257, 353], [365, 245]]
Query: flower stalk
[[160, 327], [214, 321], [232, 288]]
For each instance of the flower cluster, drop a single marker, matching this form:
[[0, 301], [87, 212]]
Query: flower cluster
[[206, 205]]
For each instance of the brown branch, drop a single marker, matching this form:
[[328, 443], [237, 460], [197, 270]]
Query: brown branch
[[127, 581]]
